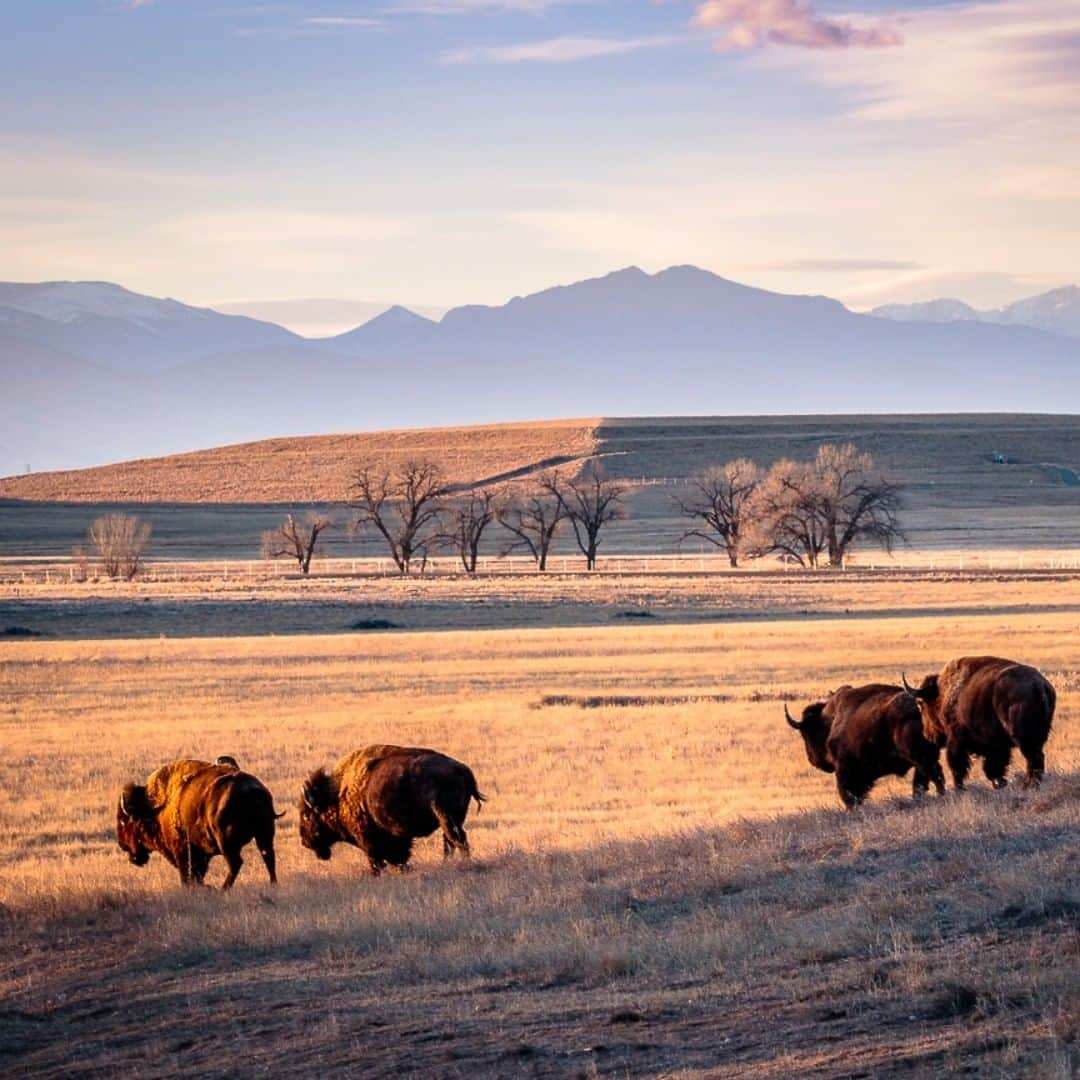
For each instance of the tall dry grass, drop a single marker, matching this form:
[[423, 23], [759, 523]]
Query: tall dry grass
[[657, 887]]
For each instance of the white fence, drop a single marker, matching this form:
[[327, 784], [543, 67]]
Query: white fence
[[59, 571]]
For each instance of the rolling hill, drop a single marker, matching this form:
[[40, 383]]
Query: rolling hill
[[314, 469], [214, 503]]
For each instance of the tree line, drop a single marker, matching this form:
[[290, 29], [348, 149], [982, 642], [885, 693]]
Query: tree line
[[417, 513], [810, 513]]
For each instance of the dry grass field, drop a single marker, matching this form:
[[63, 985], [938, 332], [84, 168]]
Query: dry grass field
[[661, 885], [314, 468], [221, 599]]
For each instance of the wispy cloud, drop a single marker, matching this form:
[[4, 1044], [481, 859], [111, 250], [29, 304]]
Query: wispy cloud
[[559, 50], [985, 64], [354, 22], [469, 7], [753, 24]]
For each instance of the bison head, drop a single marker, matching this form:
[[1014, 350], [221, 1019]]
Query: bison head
[[134, 815], [928, 697], [318, 804], [814, 728]]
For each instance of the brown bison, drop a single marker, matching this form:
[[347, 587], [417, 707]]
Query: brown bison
[[382, 798], [190, 811], [864, 733], [985, 705]]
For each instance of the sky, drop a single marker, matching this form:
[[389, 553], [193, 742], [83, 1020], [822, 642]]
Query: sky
[[438, 152]]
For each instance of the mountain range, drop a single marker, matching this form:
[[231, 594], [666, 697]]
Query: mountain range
[[94, 373], [1057, 312]]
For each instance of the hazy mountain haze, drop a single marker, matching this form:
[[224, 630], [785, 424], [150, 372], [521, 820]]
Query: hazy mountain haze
[[107, 375], [1057, 312], [316, 318]]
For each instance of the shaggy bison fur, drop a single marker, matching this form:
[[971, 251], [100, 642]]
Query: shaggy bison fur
[[382, 798], [189, 811], [985, 706], [864, 733]]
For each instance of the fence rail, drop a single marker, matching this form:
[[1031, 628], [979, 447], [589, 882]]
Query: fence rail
[[59, 571]]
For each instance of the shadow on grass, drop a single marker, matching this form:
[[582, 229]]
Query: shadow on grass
[[747, 944]]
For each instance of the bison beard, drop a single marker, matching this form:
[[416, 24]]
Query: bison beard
[[986, 706], [190, 811], [382, 798], [867, 732]]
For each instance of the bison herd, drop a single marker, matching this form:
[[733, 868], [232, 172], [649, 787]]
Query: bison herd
[[980, 706], [379, 799], [382, 798]]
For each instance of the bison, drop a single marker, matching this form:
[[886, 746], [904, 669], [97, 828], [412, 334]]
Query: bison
[[864, 733], [985, 705], [190, 811], [382, 798]]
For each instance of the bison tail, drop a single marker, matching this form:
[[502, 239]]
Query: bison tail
[[480, 799]]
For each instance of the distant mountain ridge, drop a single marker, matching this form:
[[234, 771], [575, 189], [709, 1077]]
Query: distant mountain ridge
[[1056, 312], [116, 328], [94, 373]]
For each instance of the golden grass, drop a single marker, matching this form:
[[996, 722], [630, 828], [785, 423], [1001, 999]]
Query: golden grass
[[657, 890], [314, 468], [216, 599]]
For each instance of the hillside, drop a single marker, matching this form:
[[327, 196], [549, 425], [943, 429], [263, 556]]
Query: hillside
[[948, 457], [955, 494], [315, 468]]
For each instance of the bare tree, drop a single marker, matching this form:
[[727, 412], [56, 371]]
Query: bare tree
[[589, 503], [786, 516], [80, 563], [404, 506], [534, 518], [860, 503], [822, 509], [717, 504], [469, 518], [120, 541], [298, 540]]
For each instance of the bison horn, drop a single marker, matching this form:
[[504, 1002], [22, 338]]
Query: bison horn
[[908, 687], [124, 806], [790, 719]]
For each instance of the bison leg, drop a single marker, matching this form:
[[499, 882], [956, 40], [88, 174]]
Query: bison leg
[[928, 770], [1036, 764], [454, 836], [913, 746], [235, 861], [959, 764], [264, 841], [996, 764], [192, 864], [199, 862], [851, 786], [266, 850]]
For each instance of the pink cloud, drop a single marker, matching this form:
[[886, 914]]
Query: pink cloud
[[753, 24]]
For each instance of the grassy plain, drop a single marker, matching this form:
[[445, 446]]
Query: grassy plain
[[218, 600], [661, 885]]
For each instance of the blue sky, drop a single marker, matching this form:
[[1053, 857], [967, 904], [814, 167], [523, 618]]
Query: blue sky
[[443, 151]]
